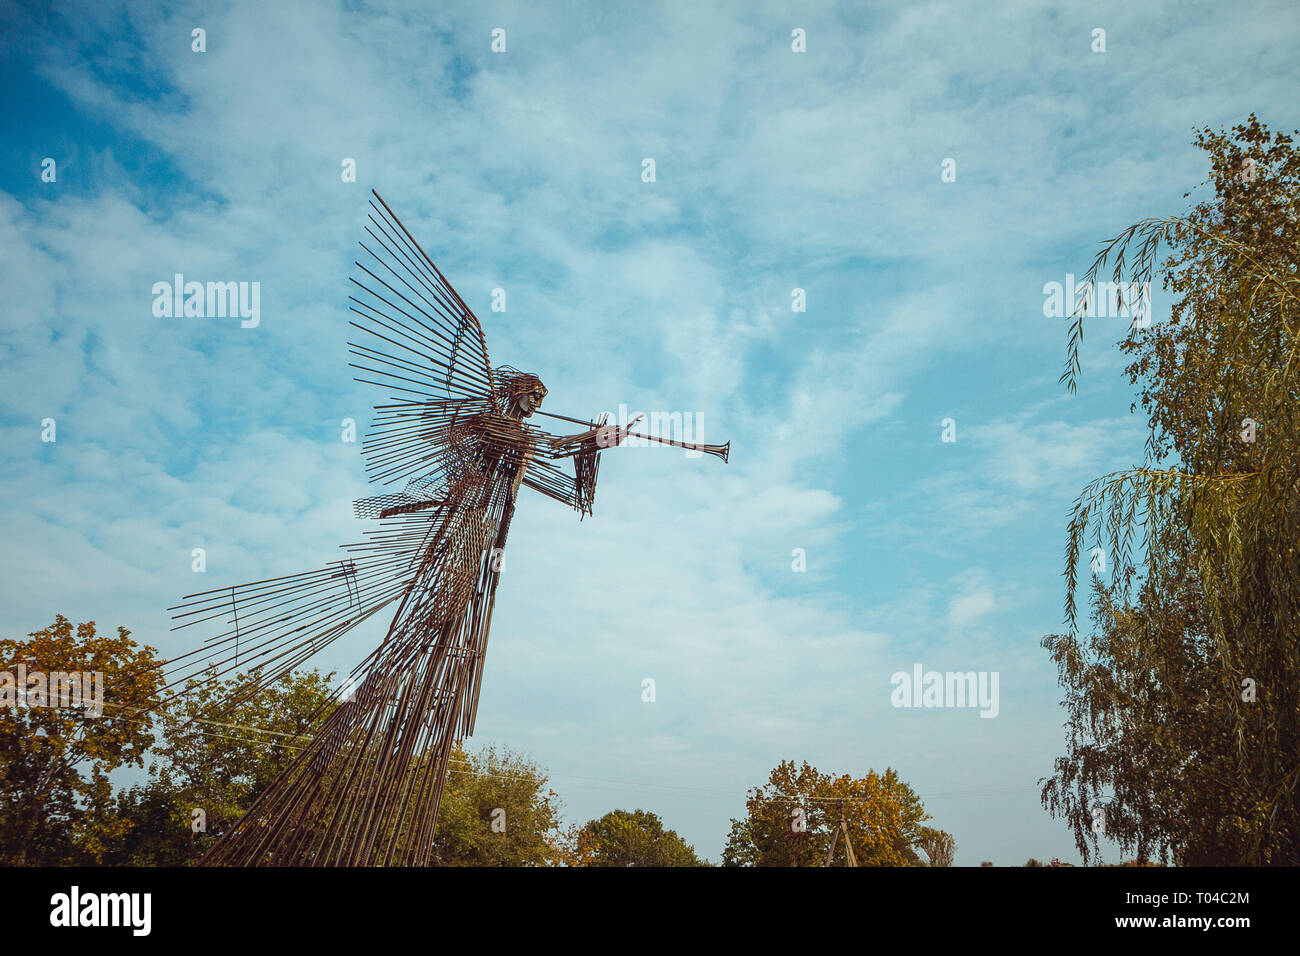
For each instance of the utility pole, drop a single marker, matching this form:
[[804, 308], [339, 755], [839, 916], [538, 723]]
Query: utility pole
[[841, 827]]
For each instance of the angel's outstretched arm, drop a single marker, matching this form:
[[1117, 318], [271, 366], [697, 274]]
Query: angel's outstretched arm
[[576, 490]]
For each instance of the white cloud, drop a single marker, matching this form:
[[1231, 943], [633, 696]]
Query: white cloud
[[967, 609]]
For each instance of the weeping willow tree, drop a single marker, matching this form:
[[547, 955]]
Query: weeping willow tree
[[1183, 730]]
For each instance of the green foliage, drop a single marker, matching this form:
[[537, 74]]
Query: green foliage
[[790, 820], [1184, 707], [503, 787], [56, 802], [638, 838], [217, 758]]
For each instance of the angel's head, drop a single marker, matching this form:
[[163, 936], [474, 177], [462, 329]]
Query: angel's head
[[522, 392]]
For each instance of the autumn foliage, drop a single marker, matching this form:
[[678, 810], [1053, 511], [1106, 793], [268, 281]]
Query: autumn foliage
[[791, 819]]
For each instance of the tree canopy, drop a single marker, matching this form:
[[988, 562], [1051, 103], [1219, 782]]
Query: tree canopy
[[497, 810], [209, 770], [56, 800], [791, 819], [636, 838], [1184, 706]]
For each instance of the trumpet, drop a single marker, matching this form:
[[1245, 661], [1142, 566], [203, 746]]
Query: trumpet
[[609, 436], [720, 451]]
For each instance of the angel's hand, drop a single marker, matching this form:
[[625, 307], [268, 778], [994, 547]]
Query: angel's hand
[[610, 436]]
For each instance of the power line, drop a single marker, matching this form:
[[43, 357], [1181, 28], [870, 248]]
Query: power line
[[972, 793]]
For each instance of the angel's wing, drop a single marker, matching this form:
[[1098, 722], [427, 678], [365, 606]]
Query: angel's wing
[[427, 337], [277, 624], [421, 340]]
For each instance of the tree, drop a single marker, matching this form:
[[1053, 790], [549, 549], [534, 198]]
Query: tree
[[216, 758], [56, 803], [1184, 708], [638, 838], [497, 810], [939, 847], [790, 820]]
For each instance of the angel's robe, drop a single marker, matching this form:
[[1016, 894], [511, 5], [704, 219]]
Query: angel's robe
[[366, 790]]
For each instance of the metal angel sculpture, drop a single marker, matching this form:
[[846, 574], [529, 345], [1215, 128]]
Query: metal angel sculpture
[[366, 789]]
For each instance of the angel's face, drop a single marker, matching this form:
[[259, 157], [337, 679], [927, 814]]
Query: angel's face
[[529, 400]]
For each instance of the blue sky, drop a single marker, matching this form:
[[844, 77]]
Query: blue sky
[[521, 170]]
